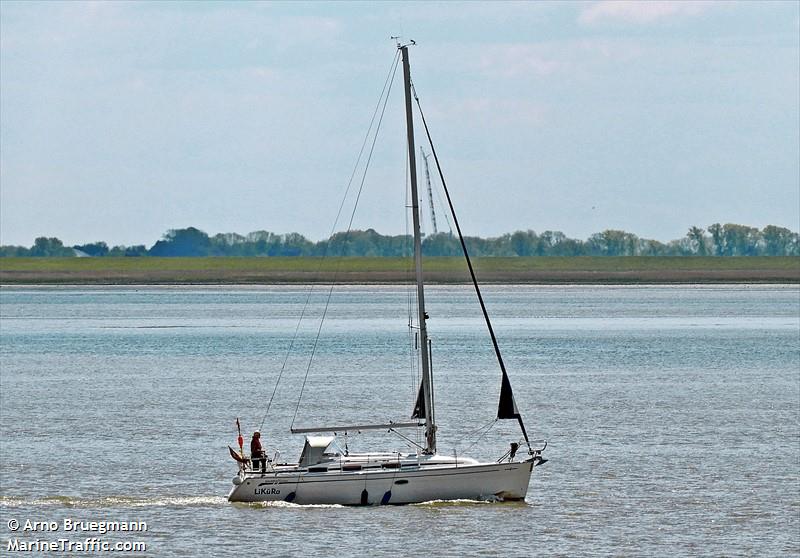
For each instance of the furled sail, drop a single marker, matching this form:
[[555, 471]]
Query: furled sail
[[507, 407], [419, 406]]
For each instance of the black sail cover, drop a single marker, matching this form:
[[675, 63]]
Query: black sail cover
[[507, 407], [419, 406]]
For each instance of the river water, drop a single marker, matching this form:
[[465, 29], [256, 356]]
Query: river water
[[672, 415]]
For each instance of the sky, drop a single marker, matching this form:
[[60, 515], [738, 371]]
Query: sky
[[119, 121]]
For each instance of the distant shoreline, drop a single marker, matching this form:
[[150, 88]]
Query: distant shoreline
[[361, 270]]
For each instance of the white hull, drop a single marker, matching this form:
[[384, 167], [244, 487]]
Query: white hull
[[480, 481]]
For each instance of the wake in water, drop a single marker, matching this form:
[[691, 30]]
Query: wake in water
[[201, 501], [469, 503], [114, 502], [282, 504]]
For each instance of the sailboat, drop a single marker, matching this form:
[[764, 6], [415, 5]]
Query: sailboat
[[325, 474]]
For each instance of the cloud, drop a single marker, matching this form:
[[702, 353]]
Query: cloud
[[640, 12], [494, 112], [524, 62], [513, 60]]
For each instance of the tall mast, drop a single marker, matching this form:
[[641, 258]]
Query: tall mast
[[430, 425]]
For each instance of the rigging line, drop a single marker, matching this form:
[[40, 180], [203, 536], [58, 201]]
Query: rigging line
[[481, 437], [409, 301], [412, 294], [389, 76], [466, 256], [347, 234], [441, 203], [406, 438], [474, 431], [411, 297]]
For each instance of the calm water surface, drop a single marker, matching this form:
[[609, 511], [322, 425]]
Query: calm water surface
[[672, 415]]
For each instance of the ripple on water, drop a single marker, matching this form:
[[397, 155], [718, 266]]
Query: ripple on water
[[112, 501]]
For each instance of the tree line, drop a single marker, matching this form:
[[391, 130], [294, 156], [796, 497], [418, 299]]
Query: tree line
[[716, 240]]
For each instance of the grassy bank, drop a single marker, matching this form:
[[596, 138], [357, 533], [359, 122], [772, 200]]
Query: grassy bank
[[147, 270]]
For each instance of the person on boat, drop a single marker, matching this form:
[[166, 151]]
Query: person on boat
[[257, 452]]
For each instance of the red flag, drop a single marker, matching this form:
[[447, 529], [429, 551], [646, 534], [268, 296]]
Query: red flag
[[240, 439]]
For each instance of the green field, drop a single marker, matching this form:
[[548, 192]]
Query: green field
[[148, 270]]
